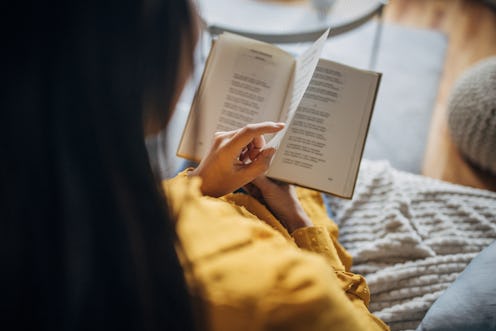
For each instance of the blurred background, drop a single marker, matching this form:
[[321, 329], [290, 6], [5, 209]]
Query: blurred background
[[422, 47]]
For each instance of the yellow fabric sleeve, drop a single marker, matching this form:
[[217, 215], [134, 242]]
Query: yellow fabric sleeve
[[323, 240], [313, 205], [247, 272]]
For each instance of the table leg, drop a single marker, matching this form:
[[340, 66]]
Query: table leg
[[377, 39]]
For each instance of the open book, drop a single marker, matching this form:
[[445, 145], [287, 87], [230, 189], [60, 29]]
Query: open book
[[327, 108]]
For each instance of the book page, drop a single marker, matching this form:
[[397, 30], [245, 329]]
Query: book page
[[324, 142], [245, 82], [304, 68]]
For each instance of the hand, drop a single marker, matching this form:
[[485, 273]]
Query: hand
[[281, 199], [235, 158]]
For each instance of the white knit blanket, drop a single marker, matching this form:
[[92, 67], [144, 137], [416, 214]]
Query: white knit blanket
[[411, 236]]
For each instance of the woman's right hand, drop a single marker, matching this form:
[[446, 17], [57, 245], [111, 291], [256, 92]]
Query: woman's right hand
[[282, 201], [236, 158]]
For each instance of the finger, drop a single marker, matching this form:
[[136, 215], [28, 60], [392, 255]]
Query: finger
[[251, 131], [256, 146], [258, 142], [259, 165], [244, 153], [224, 133], [220, 137]]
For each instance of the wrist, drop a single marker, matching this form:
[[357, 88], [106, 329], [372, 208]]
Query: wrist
[[190, 172], [206, 188], [298, 220]]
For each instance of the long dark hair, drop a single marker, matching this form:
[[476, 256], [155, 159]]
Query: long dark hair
[[86, 238]]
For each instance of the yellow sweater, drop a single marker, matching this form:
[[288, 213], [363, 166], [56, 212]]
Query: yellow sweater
[[248, 273]]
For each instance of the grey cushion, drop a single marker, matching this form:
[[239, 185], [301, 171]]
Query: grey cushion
[[472, 114], [470, 302]]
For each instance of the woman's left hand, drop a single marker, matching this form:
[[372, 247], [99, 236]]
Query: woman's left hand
[[235, 158], [282, 201]]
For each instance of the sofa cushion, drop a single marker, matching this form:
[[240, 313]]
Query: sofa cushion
[[470, 302]]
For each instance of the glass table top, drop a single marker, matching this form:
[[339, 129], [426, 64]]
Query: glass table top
[[284, 21]]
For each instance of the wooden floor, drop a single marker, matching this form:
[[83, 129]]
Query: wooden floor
[[471, 29]]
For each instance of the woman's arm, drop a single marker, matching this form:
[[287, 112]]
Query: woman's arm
[[249, 277], [282, 201], [314, 231]]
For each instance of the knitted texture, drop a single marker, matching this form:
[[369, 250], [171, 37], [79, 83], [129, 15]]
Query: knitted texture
[[472, 114], [411, 236]]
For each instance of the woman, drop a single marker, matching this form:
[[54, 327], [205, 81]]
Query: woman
[[87, 240], [90, 242]]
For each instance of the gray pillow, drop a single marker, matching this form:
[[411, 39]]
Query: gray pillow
[[470, 302], [472, 114]]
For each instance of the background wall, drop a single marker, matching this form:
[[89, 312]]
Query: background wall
[[471, 29]]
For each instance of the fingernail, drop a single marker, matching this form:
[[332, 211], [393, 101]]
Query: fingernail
[[280, 124]]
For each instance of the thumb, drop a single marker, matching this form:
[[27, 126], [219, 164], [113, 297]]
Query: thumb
[[262, 183]]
